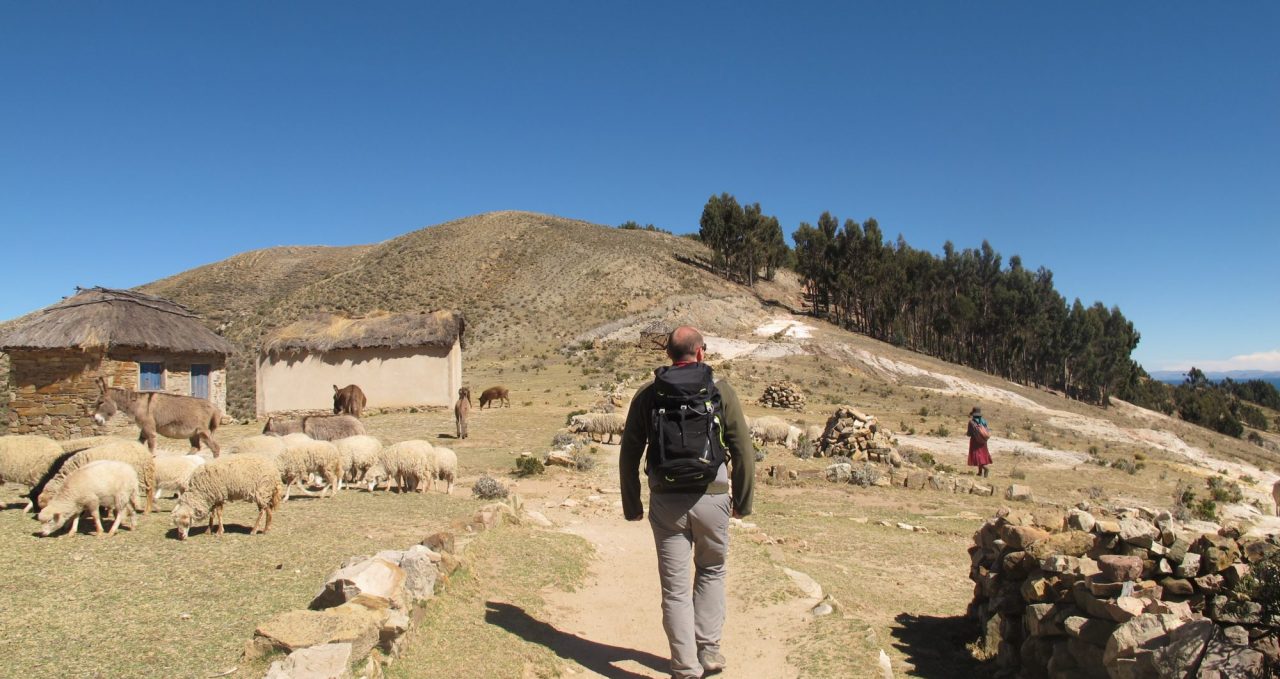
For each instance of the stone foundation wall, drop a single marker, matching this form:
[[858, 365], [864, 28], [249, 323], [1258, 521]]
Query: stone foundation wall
[[53, 392], [5, 394]]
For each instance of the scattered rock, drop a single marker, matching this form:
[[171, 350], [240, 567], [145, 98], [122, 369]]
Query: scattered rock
[[808, 585], [326, 661]]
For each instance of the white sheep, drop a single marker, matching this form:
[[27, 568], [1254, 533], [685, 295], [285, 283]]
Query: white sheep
[[814, 433], [302, 458], [77, 445], [598, 425], [101, 483], [234, 477], [262, 445], [359, 453], [444, 468], [173, 472], [27, 460], [133, 453], [411, 464], [771, 429]]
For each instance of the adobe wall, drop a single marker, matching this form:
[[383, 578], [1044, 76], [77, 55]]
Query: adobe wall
[[390, 378]]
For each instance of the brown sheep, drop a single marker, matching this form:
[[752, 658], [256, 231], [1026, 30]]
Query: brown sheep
[[348, 400], [461, 410], [493, 394]]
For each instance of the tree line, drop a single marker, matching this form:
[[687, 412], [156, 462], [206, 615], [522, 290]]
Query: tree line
[[1225, 407], [747, 244]]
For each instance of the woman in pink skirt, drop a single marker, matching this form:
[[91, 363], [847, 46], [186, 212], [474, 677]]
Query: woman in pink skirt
[[978, 432]]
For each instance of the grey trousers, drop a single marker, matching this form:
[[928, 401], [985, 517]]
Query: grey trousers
[[692, 605]]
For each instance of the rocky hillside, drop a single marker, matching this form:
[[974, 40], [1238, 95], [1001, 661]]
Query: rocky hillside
[[526, 283]]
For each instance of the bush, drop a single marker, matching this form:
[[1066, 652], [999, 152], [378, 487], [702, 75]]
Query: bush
[[487, 488], [1222, 490], [1255, 438], [528, 465], [564, 439], [1017, 473], [585, 460], [805, 448], [941, 430], [1262, 585], [865, 475], [1128, 466], [569, 418]]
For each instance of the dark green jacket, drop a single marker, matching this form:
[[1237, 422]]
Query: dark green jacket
[[741, 453]]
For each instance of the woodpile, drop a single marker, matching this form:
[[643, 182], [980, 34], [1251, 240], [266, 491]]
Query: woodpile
[[782, 395], [855, 435], [1127, 593]]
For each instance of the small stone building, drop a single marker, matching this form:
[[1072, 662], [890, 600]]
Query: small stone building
[[398, 361], [133, 340]]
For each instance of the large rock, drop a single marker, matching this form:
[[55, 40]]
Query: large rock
[[1143, 645], [1189, 567], [349, 623], [840, 472], [1227, 658], [1093, 631], [420, 571], [1138, 532], [374, 577], [1080, 520], [1018, 493], [1217, 552], [1022, 537], [326, 661], [1117, 568], [1071, 543]]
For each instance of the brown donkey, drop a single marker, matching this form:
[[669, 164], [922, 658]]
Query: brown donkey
[[348, 400], [170, 415]]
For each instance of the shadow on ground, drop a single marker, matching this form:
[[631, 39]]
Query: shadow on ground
[[593, 655], [935, 646]]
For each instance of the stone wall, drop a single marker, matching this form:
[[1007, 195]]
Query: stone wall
[[53, 392], [5, 394], [1118, 593]]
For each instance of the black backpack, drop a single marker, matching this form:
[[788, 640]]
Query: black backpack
[[686, 432]]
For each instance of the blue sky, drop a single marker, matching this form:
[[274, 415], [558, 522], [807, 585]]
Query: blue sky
[[1132, 148]]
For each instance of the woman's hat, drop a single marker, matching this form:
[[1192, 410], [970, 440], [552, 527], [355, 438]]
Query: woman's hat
[[976, 411]]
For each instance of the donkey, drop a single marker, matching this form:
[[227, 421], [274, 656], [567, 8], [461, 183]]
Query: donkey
[[170, 415], [462, 410], [348, 400]]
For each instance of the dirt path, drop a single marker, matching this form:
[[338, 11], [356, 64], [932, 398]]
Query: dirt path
[[612, 626]]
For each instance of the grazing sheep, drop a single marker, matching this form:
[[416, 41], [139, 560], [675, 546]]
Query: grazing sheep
[[410, 464], [301, 459], [814, 433], [598, 425], [133, 453], [495, 394], [173, 472], [101, 483], [770, 429], [236, 477], [445, 468], [359, 453], [77, 445], [262, 445], [348, 400], [318, 427], [28, 460], [461, 410]]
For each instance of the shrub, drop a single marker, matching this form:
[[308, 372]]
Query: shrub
[[865, 475], [1262, 585], [1248, 479], [1095, 492], [1222, 490], [940, 430], [1017, 473], [1128, 466], [569, 418], [528, 465], [487, 488], [585, 460], [805, 448], [563, 439], [1255, 438]]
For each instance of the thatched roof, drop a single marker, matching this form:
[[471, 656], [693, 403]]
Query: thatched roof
[[329, 332], [101, 318]]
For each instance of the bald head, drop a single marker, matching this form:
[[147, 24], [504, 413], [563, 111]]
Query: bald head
[[684, 343]]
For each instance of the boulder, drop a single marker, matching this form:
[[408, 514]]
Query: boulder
[[374, 577], [1018, 493], [1071, 543], [1217, 552], [839, 473], [1106, 526], [1153, 641], [1138, 532], [439, 542], [1177, 587], [326, 661], [1022, 537], [349, 623], [1116, 568], [1080, 520], [420, 572], [1093, 631], [982, 489], [1189, 567]]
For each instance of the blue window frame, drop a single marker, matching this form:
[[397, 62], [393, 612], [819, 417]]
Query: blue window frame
[[200, 380], [150, 377]]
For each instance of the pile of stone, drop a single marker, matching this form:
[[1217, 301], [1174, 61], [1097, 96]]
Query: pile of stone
[[782, 395], [1125, 593], [855, 435], [361, 614]]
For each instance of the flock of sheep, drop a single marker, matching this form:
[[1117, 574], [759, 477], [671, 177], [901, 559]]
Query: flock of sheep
[[86, 477]]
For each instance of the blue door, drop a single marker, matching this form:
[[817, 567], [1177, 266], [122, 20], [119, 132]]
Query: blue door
[[150, 377], [200, 381]]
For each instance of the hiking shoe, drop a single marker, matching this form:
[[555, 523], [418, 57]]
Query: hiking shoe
[[711, 661]]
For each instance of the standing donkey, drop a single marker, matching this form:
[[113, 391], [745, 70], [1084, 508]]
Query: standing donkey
[[170, 415], [462, 410], [348, 400]]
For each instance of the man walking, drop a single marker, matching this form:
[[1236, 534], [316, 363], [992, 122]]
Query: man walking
[[700, 463]]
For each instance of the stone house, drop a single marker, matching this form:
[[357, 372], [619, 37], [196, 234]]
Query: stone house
[[398, 361], [132, 339]]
